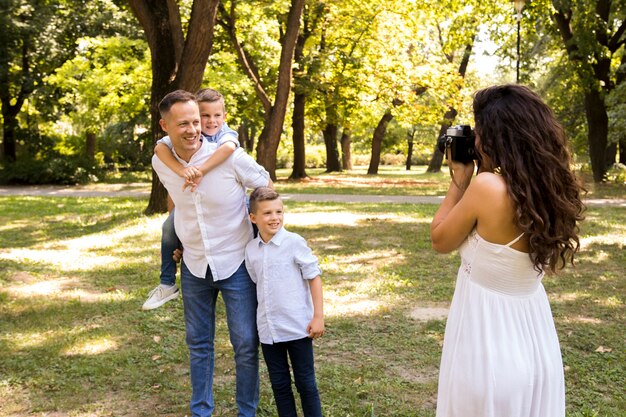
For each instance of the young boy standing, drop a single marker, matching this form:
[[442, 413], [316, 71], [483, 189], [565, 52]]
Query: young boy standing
[[290, 310], [214, 130]]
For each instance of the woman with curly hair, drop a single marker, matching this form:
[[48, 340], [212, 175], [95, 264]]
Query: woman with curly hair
[[516, 219]]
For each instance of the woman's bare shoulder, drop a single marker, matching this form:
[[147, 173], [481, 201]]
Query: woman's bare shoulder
[[489, 185]]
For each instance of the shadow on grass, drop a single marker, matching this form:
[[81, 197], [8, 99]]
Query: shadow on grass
[[84, 345]]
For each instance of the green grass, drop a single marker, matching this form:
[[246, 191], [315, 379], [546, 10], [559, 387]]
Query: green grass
[[390, 180], [74, 273]]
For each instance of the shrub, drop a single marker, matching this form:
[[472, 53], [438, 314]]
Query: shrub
[[616, 174], [65, 170]]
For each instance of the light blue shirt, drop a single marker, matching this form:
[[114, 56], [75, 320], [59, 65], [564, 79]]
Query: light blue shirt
[[225, 134], [281, 269]]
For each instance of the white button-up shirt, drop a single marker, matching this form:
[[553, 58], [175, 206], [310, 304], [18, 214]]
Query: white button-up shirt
[[281, 269], [212, 222]]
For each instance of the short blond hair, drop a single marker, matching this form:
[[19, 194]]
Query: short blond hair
[[208, 95], [262, 194]]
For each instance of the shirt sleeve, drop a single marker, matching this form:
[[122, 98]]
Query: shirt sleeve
[[249, 264], [166, 141], [249, 173], [228, 135], [304, 258]]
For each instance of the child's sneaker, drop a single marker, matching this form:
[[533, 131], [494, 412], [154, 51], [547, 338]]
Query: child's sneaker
[[160, 295]]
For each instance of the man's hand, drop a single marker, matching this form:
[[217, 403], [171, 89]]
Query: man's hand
[[177, 255]]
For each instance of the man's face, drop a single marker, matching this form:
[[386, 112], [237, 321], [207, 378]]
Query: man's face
[[212, 115], [182, 124]]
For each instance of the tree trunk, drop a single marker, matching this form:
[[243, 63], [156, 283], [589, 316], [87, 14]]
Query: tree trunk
[[299, 154], [8, 138], [594, 71], [330, 132], [377, 140], [90, 145], [264, 148], [332, 151], [12, 105], [409, 153], [346, 148], [244, 136], [309, 22], [437, 159], [609, 155], [622, 151], [177, 62], [598, 128]]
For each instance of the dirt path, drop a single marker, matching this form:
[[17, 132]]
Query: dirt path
[[142, 190]]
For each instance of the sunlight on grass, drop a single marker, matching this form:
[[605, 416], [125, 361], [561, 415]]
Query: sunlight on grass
[[92, 347], [611, 301], [75, 272], [567, 297], [23, 341], [342, 305], [616, 238], [341, 218], [371, 260], [582, 320], [78, 254], [62, 288]]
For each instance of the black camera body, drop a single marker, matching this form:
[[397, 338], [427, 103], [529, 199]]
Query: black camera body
[[460, 140]]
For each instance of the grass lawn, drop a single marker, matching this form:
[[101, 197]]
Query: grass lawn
[[74, 273], [391, 180]]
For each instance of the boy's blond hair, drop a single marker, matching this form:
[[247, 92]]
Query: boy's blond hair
[[261, 194], [208, 95]]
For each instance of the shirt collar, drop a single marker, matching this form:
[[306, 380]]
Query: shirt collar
[[195, 155], [277, 239]]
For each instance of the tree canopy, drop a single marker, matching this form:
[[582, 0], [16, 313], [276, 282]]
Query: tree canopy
[[301, 78]]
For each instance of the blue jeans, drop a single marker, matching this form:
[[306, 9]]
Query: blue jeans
[[199, 300], [169, 243], [301, 356]]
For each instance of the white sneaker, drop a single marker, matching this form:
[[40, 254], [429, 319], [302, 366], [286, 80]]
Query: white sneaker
[[160, 295]]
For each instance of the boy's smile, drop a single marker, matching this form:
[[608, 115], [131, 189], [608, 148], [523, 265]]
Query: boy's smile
[[213, 116], [268, 217]]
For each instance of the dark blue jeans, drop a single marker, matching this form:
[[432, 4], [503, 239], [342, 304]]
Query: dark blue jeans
[[300, 354], [169, 243], [199, 301]]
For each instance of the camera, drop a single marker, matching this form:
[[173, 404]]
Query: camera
[[460, 140]]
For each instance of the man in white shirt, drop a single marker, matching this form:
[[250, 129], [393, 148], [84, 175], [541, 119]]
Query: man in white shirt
[[213, 225]]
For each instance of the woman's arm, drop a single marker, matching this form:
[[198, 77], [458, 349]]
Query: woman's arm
[[456, 216]]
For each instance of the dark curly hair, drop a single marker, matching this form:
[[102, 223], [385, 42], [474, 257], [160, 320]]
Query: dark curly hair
[[520, 137]]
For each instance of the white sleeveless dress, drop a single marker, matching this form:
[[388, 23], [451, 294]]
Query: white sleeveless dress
[[501, 355]]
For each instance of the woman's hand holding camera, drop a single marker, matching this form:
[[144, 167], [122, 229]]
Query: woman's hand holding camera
[[461, 172]]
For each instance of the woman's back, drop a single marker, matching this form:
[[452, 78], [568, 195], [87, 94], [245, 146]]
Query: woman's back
[[496, 219]]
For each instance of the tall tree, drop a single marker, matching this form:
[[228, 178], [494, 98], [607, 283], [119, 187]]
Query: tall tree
[[178, 62], [448, 118], [302, 75], [593, 31], [378, 136], [36, 38], [276, 109]]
